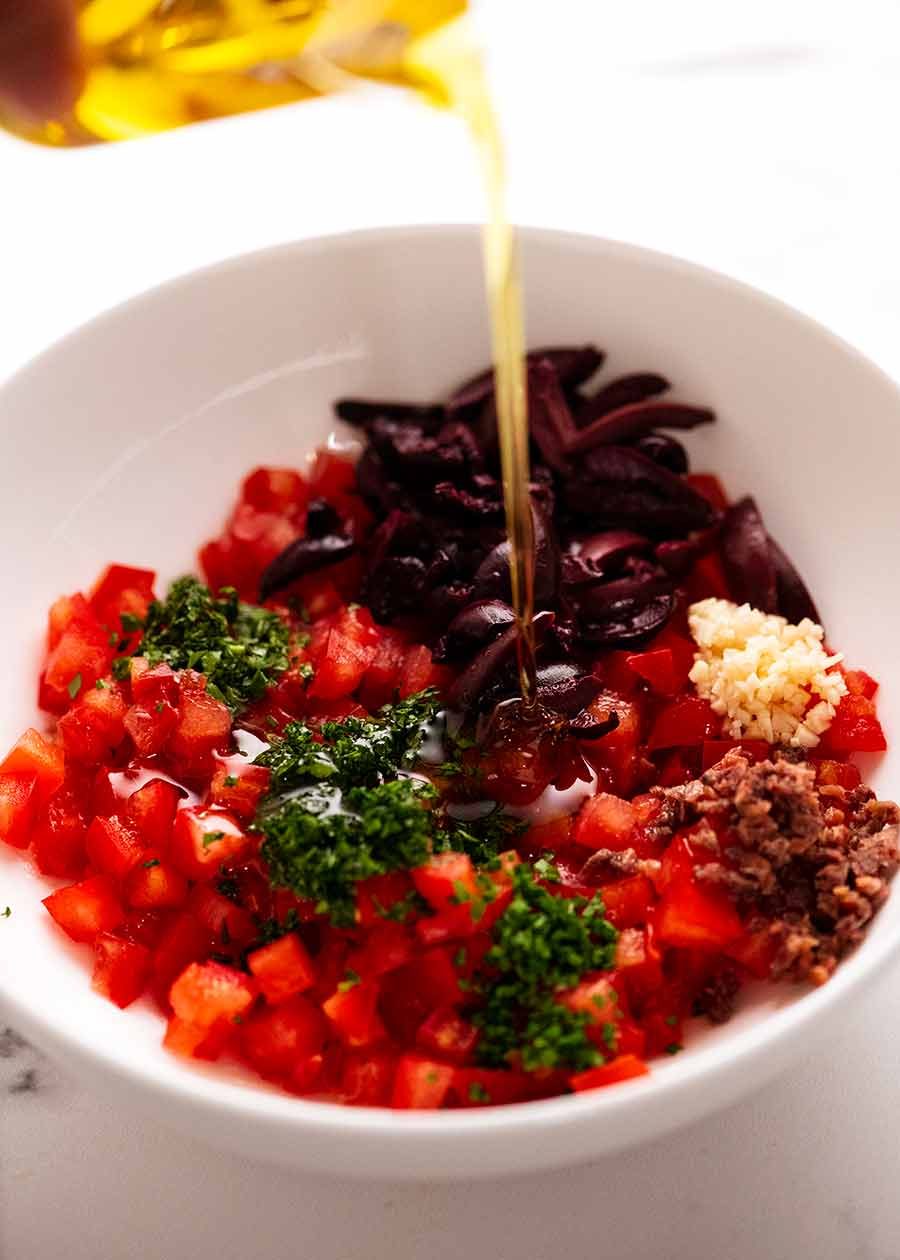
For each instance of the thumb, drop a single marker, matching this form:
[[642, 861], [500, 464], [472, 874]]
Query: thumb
[[40, 64]]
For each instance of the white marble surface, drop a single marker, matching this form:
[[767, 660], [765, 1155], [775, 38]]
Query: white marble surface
[[757, 139]]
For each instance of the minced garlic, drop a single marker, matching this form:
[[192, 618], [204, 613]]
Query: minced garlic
[[769, 679]]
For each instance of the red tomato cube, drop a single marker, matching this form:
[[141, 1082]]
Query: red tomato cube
[[605, 822], [420, 1083], [120, 969], [282, 968], [154, 884], [33, 754], [18, 801], [207, 992], [447, 1034], [227, 924], [151, 726], [202, 729], [82, 655], [624, 1068], [122, 589], [354, 1015], [202, 839], [197, 1043], [276, 490], [85, 909], [113, 847], [66, 609], [685, 723], [239, 788], [58, 835], [151, 811], [276, 1039], [183, 941], [94, 727], [367, 1078]]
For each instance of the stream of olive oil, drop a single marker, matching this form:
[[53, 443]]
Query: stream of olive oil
[[155, 64]]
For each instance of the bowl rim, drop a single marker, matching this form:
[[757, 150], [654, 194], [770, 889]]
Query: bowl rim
[[257, 1106]]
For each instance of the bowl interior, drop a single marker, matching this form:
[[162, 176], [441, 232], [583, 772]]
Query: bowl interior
[[126, 442]]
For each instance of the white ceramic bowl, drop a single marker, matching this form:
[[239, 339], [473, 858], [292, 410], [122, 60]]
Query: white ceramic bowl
[[126, 442]]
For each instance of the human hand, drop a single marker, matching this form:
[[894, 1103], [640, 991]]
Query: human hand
[[40, 64]]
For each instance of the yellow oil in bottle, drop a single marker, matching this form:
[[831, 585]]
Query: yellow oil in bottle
[[151, 65]]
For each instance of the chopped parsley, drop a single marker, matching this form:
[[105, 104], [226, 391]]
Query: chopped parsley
[[74, 687], [541, 944], [482, 838], [231, 780], [350, 981], [321, 841], [152, 862], [212, 837], [101, 684], [6, 912], [478, 1093], [240, 648]]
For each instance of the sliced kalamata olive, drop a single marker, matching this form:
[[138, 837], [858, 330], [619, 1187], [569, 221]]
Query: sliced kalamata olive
[[412, 454], [396, 587], [604, 548], [622, 392], [550, 420], [304, 555], [625, 612], [321, 519], [474, 679], [629, 423], [492, 580], [586, 726], [363, 412], [446, 600], [747, 557], [678, 556], [573, 366], [618, 487], [473, 628], [665, 451], [483, 501], [376, 485], [562, 687], [794, 600]]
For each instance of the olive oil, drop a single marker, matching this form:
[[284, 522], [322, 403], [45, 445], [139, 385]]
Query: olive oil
[[151, 65]]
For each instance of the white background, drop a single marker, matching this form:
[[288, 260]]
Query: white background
[[760, 139]]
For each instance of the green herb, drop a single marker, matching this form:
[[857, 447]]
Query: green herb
[[541, 944], [159, 706], [272, 721], [227, 885], [544, 869], [350, 981], [401, 909], [237, 1019], [74, 687], [477, 1093], [240, 649], [212, 837], [449, 769], [273, 929], [112, 638], [231, 780], [460, 957], [130, 623], [101, 684], [305, 670], [431, 1077], [321, 841], [608, 1032], [152, 862], [674, 1047], [671, 1020], [482, 838], [6, 913]]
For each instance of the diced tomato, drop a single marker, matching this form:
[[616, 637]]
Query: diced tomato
[[58, 835], [420, 1083], [306, 1075], [120, 969], [348, 653], [675, 768], [623, 1068], [367, 1078], [228, 924], [617, 752], [693, 917], [153, 683], [82, 655], [282, 968], [490, 1087], [658, 668], [33, 754], [239, 788], [276, 490], [202, 839], [597, 999], [419, 671], [685, 723], [145, 927], [207, 992], [715, 749], [275, 1039], [183, 941], [682, 650], [151, 810], [447, 1034], [837, 773], [63, 612], [547, 837], [94, 727], [859, 683], [628, 902], [151, 726], [381, 682], [85, 909], [855, 728], [18, 802], [153, 883], [630, 949], [353, 1012], [446, 881], [707, 579], [331, 474], [203, 728], [605, 822], [197, 1043], [383, 897], [254, 539], [113, 847], [121, 589], [430, 981]]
